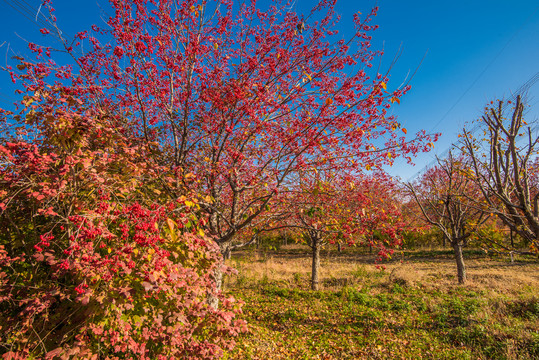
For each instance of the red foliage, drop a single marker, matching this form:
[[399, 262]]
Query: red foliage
[[241, 97], [104, 225], [355, 210], [94, 260]]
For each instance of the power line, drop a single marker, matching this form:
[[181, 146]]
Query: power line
[[523, 89], [484, 69], [30, 13]]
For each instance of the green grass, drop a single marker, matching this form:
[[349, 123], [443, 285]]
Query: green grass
[[372, 315]]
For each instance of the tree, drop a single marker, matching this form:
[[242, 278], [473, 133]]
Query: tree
[[331, 207], [314, 208], [418, 233], [447, 198], [240, 97], [506, 170]]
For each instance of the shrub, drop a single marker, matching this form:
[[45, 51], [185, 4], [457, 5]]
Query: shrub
[[101, 253]]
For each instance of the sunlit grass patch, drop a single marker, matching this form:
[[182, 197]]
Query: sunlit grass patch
[[412, 310]]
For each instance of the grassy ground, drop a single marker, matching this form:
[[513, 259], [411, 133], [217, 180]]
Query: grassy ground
[[411, 310]]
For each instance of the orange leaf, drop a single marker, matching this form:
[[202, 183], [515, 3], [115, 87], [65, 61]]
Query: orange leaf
[[170, 224], [329, 101], [404, 130]]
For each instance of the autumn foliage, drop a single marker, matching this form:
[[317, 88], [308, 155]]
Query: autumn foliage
[[137, 157], [96, 260], [240, 96], [327, 207]]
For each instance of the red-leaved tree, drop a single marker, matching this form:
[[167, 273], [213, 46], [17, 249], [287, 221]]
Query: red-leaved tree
[[241, 97], [328, 208]]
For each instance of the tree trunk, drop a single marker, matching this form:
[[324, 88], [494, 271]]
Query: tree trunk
[[461, 269], [227, 254], [212, 300], [316, 263], [339, 247]]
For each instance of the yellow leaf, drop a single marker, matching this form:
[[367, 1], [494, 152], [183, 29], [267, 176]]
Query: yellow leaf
[[172, 231], [308, 76], [383, 85], [109, 250], [368, 167], [170, 224], [135, 251], [189, 203], [201, 232], [395, 99], [215, 46]]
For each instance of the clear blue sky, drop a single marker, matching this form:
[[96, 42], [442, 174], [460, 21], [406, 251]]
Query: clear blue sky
[[476, 51]]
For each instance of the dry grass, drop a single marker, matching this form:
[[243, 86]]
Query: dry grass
[[412, 309], [498, 276], [293, 266]]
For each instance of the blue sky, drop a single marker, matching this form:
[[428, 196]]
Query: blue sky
[[475, 51]]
